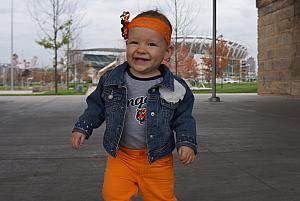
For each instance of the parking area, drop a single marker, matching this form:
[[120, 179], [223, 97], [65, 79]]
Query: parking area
[[249, 151]]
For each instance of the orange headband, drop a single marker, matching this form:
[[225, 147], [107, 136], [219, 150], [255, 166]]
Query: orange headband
[[153, 24], [146, 22]]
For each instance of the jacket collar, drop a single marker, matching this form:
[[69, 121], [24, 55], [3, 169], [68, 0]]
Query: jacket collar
[[116, 76]]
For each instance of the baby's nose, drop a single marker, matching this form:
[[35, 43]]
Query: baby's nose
[[141, 49]]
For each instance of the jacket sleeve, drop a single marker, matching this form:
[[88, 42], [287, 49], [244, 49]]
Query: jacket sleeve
[[184, 123], [94, 114]]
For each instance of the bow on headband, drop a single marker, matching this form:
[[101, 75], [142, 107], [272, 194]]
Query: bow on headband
[[125, 21]]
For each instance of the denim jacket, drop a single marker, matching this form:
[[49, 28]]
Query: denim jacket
[[169, 112]]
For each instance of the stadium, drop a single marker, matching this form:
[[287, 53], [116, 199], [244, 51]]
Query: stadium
[[99, 60], [198, 48]]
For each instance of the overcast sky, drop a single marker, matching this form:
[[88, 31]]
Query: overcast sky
[[236, 20]]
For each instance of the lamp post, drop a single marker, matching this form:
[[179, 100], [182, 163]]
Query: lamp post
[[12, 46], [213, 97], [176, 35]]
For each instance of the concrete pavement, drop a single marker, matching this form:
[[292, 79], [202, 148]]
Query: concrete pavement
[[15, 92], [249, 151]]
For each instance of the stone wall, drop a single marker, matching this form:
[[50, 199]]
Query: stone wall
[[279, 47]]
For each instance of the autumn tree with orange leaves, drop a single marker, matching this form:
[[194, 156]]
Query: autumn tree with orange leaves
[[186, 64], [221, 60]]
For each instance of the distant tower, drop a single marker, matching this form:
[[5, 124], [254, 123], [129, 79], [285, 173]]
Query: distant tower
[[251, 64]]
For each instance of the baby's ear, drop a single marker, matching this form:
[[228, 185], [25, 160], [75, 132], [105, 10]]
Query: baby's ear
[[169, 52]]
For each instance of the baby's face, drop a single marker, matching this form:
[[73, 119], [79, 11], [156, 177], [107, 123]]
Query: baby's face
[[146, 49]]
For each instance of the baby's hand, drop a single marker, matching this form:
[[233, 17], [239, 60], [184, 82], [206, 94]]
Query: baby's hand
[[77, 139], [186, 155]]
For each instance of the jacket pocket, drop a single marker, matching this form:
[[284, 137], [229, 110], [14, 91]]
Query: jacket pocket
[[111, 95]]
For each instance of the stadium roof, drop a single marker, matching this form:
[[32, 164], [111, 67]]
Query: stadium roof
[[99, 61]]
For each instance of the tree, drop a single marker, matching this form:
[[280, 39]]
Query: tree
[[221, 61], [25, 75], [187, 67], [73, 32], [54, 22]]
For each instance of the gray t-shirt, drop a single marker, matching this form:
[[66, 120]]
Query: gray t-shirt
[[134, 131]]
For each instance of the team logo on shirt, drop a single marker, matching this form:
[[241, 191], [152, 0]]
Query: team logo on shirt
[[140, 115], [139, 102]]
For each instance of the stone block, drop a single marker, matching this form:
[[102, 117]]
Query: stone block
[[267, 19], [280, 4], [263, 84], [287, 51], [263, 3], [261, 21], [261, 66], [285, 38], [261, 89], [282, 63], [285, 13], [259, 42], [297, 50], [261, 33], [270, 30], [276, 64], [286, 24], [274, 53], [295, 67], [297, 22], [282, 75], [280, 87], [295, 73], [265, 10], [296, 37], [270, 42], [268, 65], [295, 88], [297, 8], [261, 55]]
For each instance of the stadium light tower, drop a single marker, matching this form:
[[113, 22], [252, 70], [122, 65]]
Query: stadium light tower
[[213, 97]]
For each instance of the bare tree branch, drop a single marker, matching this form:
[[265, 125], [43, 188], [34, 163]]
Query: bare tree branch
[[56, 21]]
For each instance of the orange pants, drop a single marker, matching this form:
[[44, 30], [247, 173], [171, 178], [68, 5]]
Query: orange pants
[[131, 171]]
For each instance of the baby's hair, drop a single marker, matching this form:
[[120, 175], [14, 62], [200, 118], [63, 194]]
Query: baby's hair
[[157, 15]]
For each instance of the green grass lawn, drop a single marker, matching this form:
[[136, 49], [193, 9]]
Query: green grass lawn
[[231, 88], [65, 92], [226, 88], [71, 91]]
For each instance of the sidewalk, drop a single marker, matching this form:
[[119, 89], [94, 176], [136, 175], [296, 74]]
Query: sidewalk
[[15, 91], [249, 151], [10, 92]]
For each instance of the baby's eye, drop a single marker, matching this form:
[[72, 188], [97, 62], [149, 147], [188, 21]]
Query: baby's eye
[[133, 42], [152, 44]]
